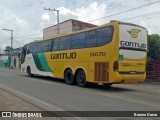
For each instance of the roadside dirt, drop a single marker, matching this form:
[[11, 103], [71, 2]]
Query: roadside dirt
[[10, 102]]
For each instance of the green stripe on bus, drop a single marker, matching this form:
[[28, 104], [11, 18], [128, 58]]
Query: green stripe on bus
[[43, 62], [37, 62]]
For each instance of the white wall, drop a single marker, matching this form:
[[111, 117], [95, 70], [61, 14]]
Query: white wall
[[4, 58], [17, 61], [51, 31]]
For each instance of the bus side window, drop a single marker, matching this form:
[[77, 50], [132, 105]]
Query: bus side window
[[91, 40], [46, 45], [49, 45], [105, 35], [34, 48], [55, 44], [38, 47], [78, 40], [30, 48], [64, 43], [28, 51]]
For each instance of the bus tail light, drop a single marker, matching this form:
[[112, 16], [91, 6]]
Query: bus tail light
[[115, 65]]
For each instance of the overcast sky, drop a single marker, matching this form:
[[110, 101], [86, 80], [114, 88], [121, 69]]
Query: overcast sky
[[28, 18]]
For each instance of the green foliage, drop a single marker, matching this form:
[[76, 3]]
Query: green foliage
[[7, 50], [153, 47]]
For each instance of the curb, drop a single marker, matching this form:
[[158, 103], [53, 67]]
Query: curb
[[36, 102], [17, 69]]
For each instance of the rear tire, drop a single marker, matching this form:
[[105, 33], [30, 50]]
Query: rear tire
[[68, 77], [81, 78], [29, 72]]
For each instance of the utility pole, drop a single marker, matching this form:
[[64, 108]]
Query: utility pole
[[57, 17], [11, 45]]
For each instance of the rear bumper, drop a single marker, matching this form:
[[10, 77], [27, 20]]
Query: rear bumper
[[133, 79], [129, 78]]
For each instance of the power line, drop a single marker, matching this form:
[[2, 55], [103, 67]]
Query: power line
[[25, 37], [31, 35], [19, 37], [57, 17], [4, 41], [4, 36], [145, 18], [125, 11], [18, 43], [101, 3], [114, 14], [56, 3], [98, 18], [71, 26], [122, 19], [142, 15]]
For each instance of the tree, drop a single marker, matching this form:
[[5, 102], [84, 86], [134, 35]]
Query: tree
[[153, 47], [7, 50]]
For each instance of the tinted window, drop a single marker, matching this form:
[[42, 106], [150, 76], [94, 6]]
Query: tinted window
[[91, 40], [46, 45], [30, 48], [36, 47], [105, 35], [78, 40], [92, 34], [64, 43], [55, 44]]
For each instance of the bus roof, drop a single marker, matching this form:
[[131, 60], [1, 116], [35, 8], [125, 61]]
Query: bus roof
[[125, 23], [93, 28], [87, 29]]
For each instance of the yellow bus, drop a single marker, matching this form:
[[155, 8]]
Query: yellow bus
[[109, 54]]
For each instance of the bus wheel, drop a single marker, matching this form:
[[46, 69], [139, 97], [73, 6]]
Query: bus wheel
[[29, 72], [81, 78], [68, 77], [107, 85]]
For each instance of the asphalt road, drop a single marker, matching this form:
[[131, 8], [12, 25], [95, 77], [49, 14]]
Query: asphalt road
[[54, 94]]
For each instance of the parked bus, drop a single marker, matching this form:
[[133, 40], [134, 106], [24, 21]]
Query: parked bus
[[109, 54]]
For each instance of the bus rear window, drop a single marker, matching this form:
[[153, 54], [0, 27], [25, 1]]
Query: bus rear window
[[105, 35]]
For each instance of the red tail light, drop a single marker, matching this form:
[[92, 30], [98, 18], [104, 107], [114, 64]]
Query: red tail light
[[115, 65]]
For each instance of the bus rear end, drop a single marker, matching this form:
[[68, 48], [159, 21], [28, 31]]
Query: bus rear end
[[132, 56]]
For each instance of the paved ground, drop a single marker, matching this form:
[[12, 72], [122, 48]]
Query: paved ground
[[54, 94], [11, 102]]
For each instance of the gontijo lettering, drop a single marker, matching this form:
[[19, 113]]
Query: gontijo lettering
[[71, 55], [133, 44]]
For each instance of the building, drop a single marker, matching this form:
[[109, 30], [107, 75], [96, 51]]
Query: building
[[66, 27], [16, 61], [4, 60]]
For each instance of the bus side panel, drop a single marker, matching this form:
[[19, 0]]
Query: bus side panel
[[31, 62], [59, 61], [95, 61]]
